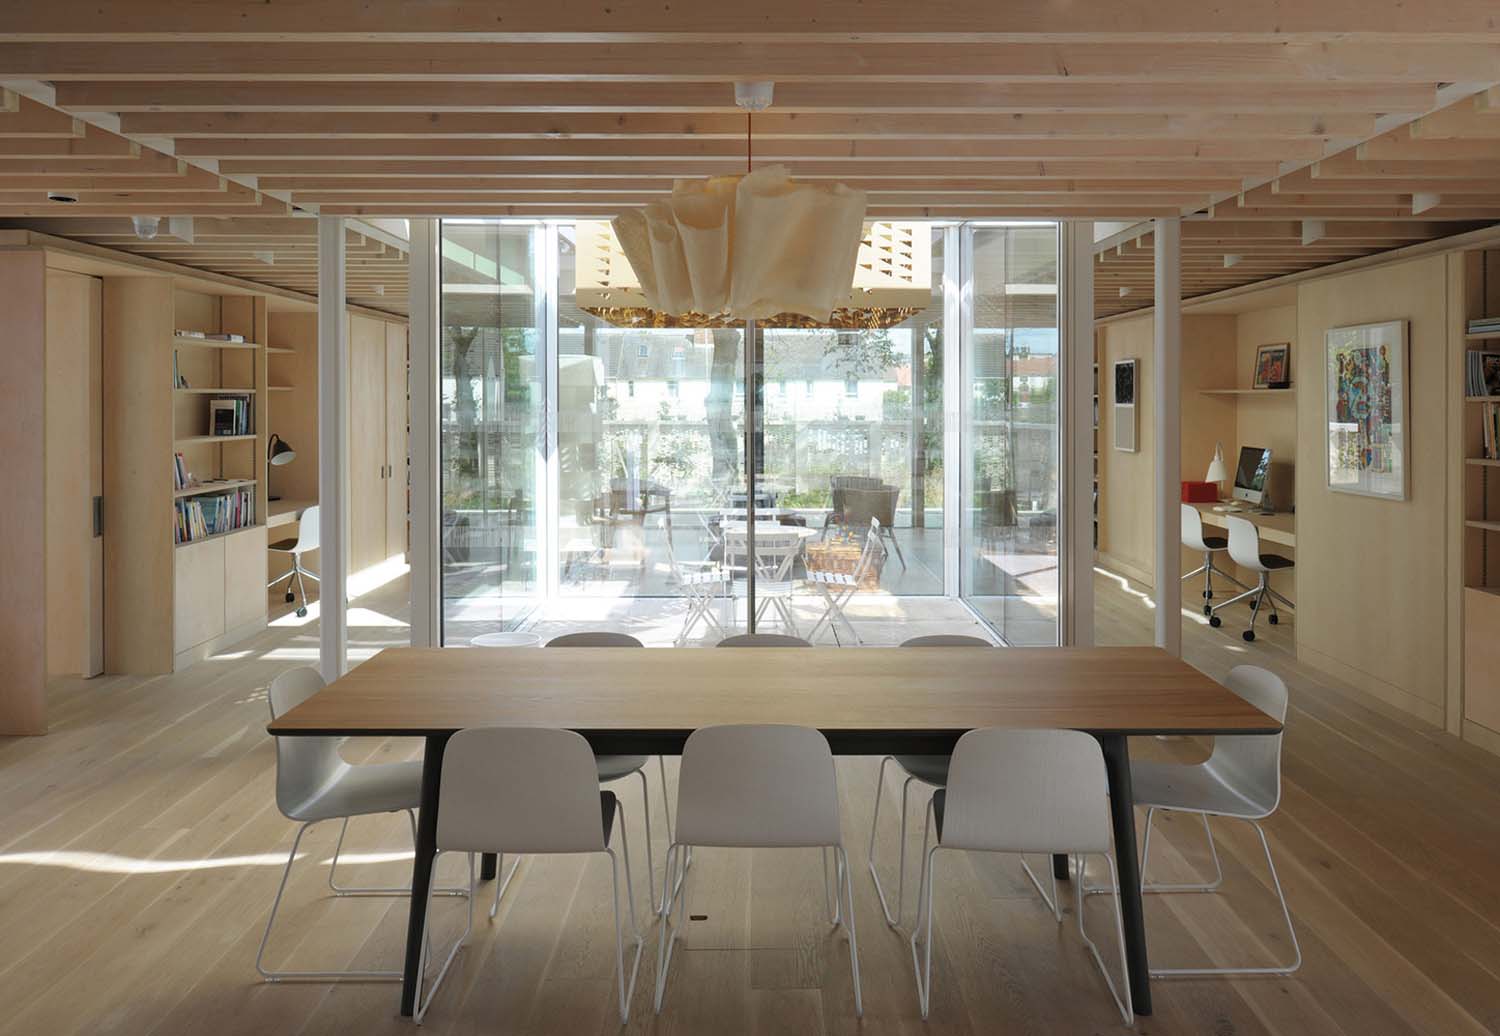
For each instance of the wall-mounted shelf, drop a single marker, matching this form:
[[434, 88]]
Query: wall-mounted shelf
[[217, 391], [209, 343], [1482, 399], [277, 350], [220, 535], [281, 388], [1248, 392], [1482, 462], [1475, 523], [1484, 336], [196, 440], [207, 488]]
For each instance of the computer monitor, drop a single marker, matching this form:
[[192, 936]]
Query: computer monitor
[[1251, 473]]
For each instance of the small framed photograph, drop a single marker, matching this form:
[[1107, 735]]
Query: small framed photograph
[[1125, 423], [1489, 374], [1273, 366]]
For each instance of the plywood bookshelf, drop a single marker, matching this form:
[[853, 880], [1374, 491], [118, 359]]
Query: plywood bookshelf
[[1480, 531]]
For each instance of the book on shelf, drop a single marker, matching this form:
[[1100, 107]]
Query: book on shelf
[[1490, 430], [180, 333], [180, 477], [224, 336], [1483, 373], [1484, 326], [231, 415], [200, 517]]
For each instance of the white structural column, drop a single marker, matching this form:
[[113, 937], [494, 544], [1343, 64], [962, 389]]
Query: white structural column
[[422, 271], [333, 449], [957, 308], [1167, 406], [1076, 311]]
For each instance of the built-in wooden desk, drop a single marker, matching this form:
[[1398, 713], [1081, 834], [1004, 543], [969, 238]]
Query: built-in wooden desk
[[866, 701], [1280, 527], [285, 512]]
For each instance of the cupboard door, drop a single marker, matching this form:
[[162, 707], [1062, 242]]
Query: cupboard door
[[198, 598], [396, 424], [367, 445], [244, 578]]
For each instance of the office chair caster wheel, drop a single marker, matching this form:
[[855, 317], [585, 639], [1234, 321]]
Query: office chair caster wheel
[[1273, 620], [1249, 635], [290, 597], [1208, 610], [302, 612], [1215, 621]]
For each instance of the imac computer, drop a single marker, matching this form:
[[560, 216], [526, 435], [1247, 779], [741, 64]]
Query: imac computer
[[1251, 475]]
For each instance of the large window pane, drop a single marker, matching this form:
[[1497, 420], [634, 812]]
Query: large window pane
[[493, 398], [1010, 429]]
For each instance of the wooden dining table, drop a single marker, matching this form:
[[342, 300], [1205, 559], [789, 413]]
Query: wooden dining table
[[866, 701]]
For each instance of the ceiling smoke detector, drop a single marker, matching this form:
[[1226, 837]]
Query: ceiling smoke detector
[[146, 226], [62, 197]]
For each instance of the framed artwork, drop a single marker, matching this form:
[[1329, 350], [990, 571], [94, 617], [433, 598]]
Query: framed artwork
[[1273, 366], [1367, 419], [1126, 427]]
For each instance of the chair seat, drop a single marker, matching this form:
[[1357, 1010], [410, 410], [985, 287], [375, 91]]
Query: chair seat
[[1191, 787], [365, 789], [831, 578], [764, 588], [1216, 542], [932, 769], [1274, 561], [286, 546], [613, 767]]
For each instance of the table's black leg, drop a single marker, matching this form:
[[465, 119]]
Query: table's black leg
[[1122, 814], [421, 869], [488, 864], [1060, 867]]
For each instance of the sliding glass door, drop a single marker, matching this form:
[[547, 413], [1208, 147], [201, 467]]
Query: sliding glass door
[[1008, 567]]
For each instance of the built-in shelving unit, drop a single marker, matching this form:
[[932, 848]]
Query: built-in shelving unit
[[1481, 513], [210, 343], [1268, 393], [214, 487], [217, 391], [198, 440]]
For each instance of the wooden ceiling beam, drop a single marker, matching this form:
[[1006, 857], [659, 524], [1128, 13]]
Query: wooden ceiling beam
[[265, 206], [1030, 199], [194, 179], [314, 187], [93, 145], [785, 60], [770, 125], [23, 117], [1403, 147], [1348, 164], [1233, 229], [147, 163], [1178, 98], [875, 211]]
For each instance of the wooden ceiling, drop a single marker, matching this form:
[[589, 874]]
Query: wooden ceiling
[[1275, 121]]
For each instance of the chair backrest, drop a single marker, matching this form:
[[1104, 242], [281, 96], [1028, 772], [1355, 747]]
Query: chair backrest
[[757, 786], [1250, 764], [307, 531], [1027, 791], [1244, 543], [772, 549], [519, 790], [947, 640], [304, 765], [873, 556], [759, 640], [838, 483], [595, 638], [1192, 529], [860, 505]]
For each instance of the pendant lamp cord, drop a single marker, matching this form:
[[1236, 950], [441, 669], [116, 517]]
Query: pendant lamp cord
[[749, 118]]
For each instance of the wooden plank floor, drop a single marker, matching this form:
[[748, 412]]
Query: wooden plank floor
[[140, 849]]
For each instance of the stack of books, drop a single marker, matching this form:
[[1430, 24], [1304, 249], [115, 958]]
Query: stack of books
[[1484, 326], [201, 517], [180, 478], [231, 415], [1491, 430]]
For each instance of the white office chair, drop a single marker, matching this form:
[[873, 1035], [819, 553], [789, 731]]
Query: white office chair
[[757, 787], [1241, 779], [313, 784], [838, 588], [305, 541], [762, 640], [618, 767], [1244, 548], [1022, 791], [929, 769], [1194, 539], [534, 791]]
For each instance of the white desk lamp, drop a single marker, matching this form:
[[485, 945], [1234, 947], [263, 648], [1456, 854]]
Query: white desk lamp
[[1216, 473]]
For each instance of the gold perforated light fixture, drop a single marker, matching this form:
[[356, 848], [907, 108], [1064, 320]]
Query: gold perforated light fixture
[[759, 247]]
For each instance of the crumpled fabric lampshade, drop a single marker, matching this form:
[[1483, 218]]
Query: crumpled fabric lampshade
[[751, 247]]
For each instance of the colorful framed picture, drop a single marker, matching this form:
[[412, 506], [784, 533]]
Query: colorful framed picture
[[1367, 409], [1273, 366]]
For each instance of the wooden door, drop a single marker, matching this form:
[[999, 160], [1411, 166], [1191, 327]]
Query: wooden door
[[367, 443], [75, 475], [396, 426]]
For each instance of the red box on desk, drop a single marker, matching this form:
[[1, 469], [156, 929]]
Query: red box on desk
[[1200, 492]]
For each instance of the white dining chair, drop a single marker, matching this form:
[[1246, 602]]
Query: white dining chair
[[1240, 780], [532, 791], [837, 588], [704, 585], [305, 542], [1244, 548], [926, 769], [757, 786], [314, 784], [1022, 791], [1195, 540], [775, 553], [762, 640], [618, 767]]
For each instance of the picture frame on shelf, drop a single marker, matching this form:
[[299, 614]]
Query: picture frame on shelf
[[1489, 373], [1366, 377], [1126, 388], [1273, 366]]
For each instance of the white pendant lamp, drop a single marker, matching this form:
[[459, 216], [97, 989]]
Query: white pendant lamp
[[753, 247], [1216, 470]]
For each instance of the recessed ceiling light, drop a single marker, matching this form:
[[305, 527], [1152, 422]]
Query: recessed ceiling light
[[62, 197]]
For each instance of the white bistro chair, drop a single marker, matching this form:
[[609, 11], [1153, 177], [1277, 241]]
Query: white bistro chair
[[837, 588], [757, 786], [928, 769], [1194, 539], [305, 542], [1244, 548], [1241, 780], [313, 784], [704, 584], [533, 791], [775, 553], [1022, 791], [618, 767]]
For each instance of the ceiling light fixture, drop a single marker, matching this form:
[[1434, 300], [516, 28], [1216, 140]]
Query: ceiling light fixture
[[762, 246], [62, 197], [146, 227]]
